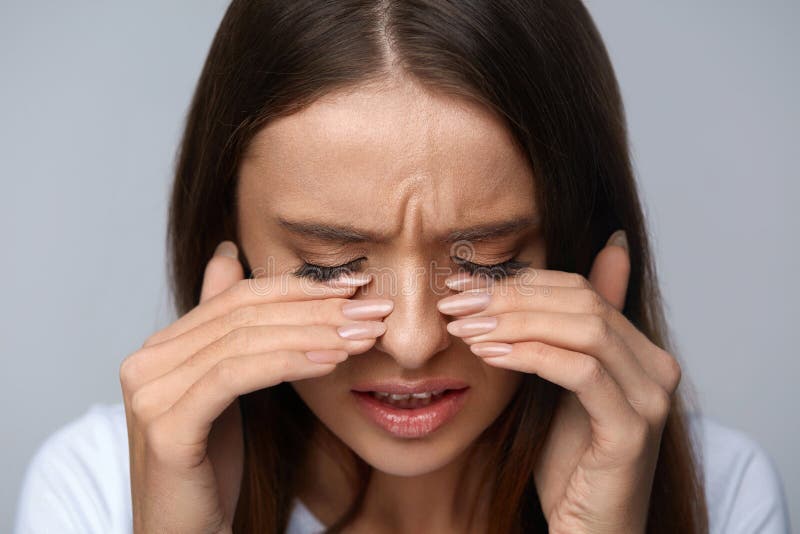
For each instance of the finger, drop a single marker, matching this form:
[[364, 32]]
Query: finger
[[222, 271], [511, 296], [611, 270], [585, 333], [278, 288], [523, 276], [156, 360], [180, 433], [159, 394], [611, 415]]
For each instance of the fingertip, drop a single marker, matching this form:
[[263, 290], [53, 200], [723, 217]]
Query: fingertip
[[327, 356], [222, 271], [227, 248], [619, 239], [350, 280]]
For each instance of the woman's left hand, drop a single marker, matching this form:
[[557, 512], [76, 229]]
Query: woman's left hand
[[596, 470]]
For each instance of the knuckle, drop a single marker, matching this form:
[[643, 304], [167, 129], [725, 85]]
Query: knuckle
[[526, 322], [542, 351], [238, 340], [195, 360], [674, 374], [322, 310], [141, 405], [130, 372], [579, 281], [282, 365], [536, 347], [242, 316], [598, 331], [595, 304], [127, 372], [225, 375], [591, 374], [660, 402], [260, 287], [244, 290]]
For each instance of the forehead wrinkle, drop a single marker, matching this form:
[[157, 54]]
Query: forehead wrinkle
[[394, 163], [410, 207]]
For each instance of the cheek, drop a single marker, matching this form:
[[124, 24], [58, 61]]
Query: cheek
[[501, 385], [326, 399], [315, 392]]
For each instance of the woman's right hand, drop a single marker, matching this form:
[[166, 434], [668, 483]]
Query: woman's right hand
[[181, 388]]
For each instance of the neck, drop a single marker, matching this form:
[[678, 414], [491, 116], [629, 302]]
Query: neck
[[446, 500]]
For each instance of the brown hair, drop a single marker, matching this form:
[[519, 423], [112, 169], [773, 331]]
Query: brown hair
[[543, 67]]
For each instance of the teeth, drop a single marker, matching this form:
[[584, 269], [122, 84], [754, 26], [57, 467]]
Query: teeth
[[408, 400]]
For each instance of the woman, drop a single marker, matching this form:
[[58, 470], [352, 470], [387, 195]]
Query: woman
[[432, 306]]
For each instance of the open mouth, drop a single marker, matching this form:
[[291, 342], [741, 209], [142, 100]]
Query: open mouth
[[411, 415], [409, 401]]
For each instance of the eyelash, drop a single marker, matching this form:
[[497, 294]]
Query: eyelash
[[323, 273], [495, 271]]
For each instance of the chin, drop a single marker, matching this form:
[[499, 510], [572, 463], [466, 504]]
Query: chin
[[408, 458], [405, 451]]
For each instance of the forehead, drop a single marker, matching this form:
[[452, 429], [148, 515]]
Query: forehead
[[381, 153]]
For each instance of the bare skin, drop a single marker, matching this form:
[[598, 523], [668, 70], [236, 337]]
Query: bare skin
[[411, 167]]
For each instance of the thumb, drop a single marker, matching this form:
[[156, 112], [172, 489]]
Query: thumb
[[222, 271], [611, 270], [225, 439]]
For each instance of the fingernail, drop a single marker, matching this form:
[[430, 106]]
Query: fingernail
[[467, 302], [489, 349], [458, 281], [362, 329], [472, 326], [461, 281], [367, 309], [327, 356], [619, 238], [226, 248], [350, 280]]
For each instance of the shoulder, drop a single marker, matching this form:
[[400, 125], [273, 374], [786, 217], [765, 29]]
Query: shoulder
[[302, 521], [743, 487], [78, 479]]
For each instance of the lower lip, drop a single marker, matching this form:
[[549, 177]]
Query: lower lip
[[412, 422]]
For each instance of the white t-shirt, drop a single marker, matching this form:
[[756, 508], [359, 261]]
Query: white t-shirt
[[78, 481]]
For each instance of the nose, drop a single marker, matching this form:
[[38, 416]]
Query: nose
[[416, 330]]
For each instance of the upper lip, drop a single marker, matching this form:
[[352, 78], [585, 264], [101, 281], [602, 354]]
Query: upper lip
[[411, 386]]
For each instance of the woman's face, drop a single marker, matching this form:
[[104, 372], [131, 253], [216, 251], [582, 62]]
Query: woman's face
[[410, 167]]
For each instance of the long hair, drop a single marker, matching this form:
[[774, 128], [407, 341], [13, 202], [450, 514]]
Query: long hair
[[541, 65]]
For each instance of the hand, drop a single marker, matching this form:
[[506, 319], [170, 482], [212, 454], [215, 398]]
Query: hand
[[181, 388], [596, 471]]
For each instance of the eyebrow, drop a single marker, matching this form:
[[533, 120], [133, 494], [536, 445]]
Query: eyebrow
[[345, 234]]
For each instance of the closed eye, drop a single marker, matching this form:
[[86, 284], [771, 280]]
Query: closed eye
[[322, 273], [495, 270]]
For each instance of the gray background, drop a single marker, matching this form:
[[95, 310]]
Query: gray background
[[92, 100]]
